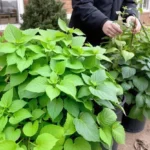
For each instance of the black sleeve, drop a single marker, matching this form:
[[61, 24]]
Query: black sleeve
[[88, 14], [131, 5]]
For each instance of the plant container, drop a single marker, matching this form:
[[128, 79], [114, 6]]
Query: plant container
[[132, 125]]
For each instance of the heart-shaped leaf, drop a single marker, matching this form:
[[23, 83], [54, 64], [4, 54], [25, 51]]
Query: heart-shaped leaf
[[45, 141], [12, 134], [79, 144], [30, 128]]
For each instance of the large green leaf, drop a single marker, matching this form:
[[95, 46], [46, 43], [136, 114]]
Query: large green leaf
[[37, 113], [118, 133], [6, 99], [56, 131], [90, 62], [78, 32], [79, 144], [55, 107], [67, 87], [8, 145], [86, 79], [74, 64], [86, 126], [19, 116], [83, 91], [103, 90], [12, 134], [58, 66], [11, 69], [3, 61], [129, 98], [72, 107], [126, 86], [37, 85], [21, 51], [106, 136], [78, 41], [24, 63], [43, 100], [95, 146], [106, 117], [12, 59], [12, 34], [47, 36], [3, 122], [43, 71], [88, 104], [127, 55], [17, 105], [128, 72], [136, 113], [105, 103], [17, 79], [52, 92], [45, 141], [30, 128], [98, 76], [140, 83], [69, 127], [54, 78], [140, 100], [62, 25], [6, 48], [23, 93], [75, 79], [57, 147], [34, 48]]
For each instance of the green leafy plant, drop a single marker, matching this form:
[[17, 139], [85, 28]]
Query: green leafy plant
[[50, 85], [110, 128], [130, 56]]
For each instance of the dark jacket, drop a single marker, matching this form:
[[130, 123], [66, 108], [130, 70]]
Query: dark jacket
[[90, 15]]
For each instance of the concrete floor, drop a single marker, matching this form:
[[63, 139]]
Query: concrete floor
[[131, 139]]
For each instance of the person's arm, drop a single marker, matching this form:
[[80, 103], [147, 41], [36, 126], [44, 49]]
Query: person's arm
[[93, 19], [90, 16]]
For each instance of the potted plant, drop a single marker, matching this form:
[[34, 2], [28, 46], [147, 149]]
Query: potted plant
[[50, 84], [130, 56]]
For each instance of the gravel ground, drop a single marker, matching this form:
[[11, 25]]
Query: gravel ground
[[134, 140]]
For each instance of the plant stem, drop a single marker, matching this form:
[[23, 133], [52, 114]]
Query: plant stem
[[32, 144], [132, 36], [144, 30]]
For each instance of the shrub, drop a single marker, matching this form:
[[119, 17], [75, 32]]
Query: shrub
[[50, 85], [43, 14]]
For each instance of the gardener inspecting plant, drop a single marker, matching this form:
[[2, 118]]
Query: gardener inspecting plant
[[95, 18]]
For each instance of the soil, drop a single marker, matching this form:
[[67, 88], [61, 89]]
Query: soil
[[137, 141]]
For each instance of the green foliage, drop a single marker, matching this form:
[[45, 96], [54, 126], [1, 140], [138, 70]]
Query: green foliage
[[110, 128], [43, 14], [129, 54], [79, 144], [50, 84]]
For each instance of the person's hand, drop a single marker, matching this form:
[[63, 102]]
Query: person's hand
[[111, 29], [136, 24]]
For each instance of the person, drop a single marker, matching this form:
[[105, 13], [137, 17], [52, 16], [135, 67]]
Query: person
[[95, 18]]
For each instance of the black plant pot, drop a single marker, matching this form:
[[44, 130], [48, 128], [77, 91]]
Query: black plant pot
[[132, 125], [114, 147]]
